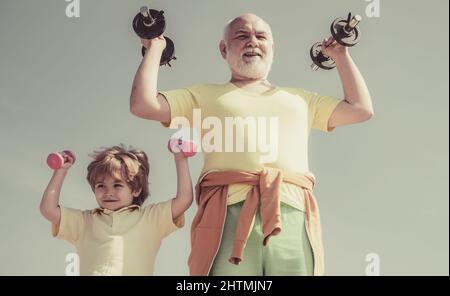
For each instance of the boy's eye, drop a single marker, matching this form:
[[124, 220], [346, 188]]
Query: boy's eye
[[118, 185], [99, 186]]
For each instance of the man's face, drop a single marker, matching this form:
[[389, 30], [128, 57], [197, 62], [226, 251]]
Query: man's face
[[248, 47]]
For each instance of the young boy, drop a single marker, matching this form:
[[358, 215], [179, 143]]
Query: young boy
[[120, 237]]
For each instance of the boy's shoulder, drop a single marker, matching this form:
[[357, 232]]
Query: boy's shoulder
[[157, 209], [74, 211], [156, 205]]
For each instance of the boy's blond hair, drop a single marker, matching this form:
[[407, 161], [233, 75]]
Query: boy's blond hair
[[128, 164]]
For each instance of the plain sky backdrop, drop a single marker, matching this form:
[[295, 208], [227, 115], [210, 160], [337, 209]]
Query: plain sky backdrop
[[382, 185]]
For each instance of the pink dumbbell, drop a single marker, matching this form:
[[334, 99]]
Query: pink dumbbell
[[56, 160], [189, 148]]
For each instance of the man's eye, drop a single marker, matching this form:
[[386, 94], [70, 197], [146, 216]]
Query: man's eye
[[241, 37], [262, 37]]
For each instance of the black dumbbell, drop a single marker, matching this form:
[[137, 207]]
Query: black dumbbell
[[343, 31], [150, 23]]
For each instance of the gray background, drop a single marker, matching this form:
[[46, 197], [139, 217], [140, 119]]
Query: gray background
[[382, 185]]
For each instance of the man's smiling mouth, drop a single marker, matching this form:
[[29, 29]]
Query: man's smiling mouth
[[252, 54]]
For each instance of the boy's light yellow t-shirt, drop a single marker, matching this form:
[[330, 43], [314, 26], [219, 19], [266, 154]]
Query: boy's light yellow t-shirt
[[295, 110], [123, 242]]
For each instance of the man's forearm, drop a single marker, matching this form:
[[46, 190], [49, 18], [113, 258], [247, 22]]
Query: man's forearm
[[353, 84], [145, 84]]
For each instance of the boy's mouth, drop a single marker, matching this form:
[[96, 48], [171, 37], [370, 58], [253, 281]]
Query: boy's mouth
[[110, 200]]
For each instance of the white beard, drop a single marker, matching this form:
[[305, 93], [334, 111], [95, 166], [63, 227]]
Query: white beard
[[253, 68]]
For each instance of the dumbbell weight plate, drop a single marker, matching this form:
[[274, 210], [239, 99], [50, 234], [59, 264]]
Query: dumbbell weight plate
[[168, 53], [55, 161], [319, 59], [152, 31], [341, 36]]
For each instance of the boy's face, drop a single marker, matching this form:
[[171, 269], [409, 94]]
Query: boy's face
[[113, 194]]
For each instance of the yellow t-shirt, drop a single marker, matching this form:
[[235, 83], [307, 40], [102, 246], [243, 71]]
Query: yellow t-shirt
[[282, 117], [122, 242]]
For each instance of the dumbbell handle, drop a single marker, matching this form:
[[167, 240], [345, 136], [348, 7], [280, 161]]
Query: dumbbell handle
[[146, 14], [352, 23], [144, 11]]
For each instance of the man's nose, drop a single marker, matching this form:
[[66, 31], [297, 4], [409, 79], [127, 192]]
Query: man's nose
[[253, 41]]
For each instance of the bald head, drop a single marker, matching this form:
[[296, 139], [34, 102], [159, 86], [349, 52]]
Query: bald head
[[242, 20]]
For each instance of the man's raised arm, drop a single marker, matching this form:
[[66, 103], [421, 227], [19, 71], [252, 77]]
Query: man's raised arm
[[145, 101]]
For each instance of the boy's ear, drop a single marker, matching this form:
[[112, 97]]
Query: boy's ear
[[136, 193]]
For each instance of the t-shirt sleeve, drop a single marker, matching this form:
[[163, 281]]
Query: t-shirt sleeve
[[181, 103], [71, 225], [159, 215], [320, 109]]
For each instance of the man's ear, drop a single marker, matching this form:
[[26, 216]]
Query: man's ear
[[223, 49]]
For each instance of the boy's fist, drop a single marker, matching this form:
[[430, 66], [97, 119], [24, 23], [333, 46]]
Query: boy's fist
[[188, 148]]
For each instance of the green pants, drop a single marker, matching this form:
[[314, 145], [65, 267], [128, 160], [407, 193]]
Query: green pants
[[288, 253]]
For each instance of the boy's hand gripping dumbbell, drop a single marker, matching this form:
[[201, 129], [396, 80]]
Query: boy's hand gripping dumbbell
[[188, 148], [64, 159]]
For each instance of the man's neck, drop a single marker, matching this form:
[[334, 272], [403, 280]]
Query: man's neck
[[256, 86], [250, 83]]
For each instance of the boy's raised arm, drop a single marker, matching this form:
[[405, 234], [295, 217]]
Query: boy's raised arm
[[50, 200], [185, 194]]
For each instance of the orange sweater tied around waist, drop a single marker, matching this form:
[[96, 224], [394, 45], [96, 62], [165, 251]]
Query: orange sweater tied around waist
[[211, 198]]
